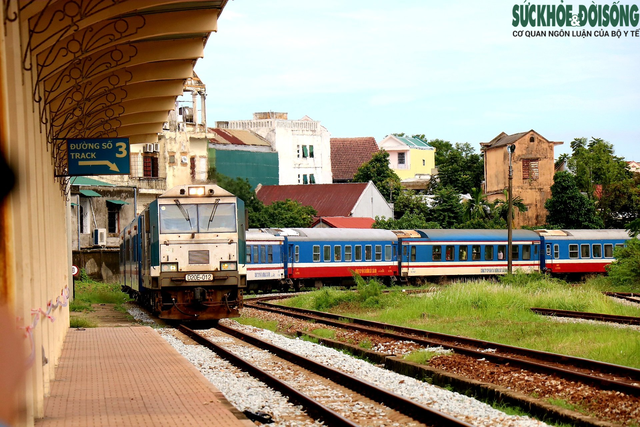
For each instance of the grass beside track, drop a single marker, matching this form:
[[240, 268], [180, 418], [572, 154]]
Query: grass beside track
[[497, 311], [89, 292]]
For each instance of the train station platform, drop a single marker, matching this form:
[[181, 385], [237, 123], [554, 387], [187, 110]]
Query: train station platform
[[123, 376]]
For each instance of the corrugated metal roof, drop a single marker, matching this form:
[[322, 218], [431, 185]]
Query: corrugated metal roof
[[327, 199], [415, 143], [90, 193], [348, 154], [345, 222], [237, 137], [83, 180]]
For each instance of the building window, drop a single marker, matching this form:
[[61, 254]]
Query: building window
[[311, 151], [113, 218], [530, 169], [305, 151], [401, 158], [150, 166], [424, 162], [298, 178], [305, 179], [298, 151], [532, 139], [312, 179]]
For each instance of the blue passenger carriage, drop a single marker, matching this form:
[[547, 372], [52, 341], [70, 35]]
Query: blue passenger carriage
[[467, 252], [580, 251], [265, 260]]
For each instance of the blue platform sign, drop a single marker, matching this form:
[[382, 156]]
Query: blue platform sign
[[103, 156]]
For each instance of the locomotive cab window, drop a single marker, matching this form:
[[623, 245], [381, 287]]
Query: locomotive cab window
[[358, 252], [203, 218], [462, 253], [337, 253], [367, 253], [585, 251], [475, 253], [597, 251], [378, 252], [327, 253], [573, 251], [437, 253], [526, 252], [488, 253], [347, 253], [387, 252], [316, 253]]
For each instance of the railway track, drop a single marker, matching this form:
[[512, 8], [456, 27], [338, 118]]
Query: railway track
[[603, 375], [628, 320], [629, 296], [392, 406]]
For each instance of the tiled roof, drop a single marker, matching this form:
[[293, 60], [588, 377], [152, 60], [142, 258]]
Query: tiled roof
[[348, 154], [503, 139], [237, 137], [327, 199], [345, 222]]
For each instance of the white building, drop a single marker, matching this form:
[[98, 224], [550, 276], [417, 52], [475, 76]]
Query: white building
[[303, 146]]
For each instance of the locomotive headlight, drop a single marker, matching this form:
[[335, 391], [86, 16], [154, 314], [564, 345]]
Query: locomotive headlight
[[166, 267], [228, 265], [196, 191]]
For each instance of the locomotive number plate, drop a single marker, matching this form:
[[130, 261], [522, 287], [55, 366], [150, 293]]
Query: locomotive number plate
[[198, 277]]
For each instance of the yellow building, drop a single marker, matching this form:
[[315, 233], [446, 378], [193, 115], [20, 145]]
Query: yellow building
[[533, 169], [412, 159]]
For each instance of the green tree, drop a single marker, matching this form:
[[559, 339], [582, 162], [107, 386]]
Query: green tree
[[500, 208], [625, 270], [242, 189], [567, 207], [477, 207], [600, 173], [408, 202], [447, 209], [284, 214], [409, 221], [383, 177], [458, 166]]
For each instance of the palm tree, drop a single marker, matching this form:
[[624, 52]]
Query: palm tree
[[500, 208], [477, 207]]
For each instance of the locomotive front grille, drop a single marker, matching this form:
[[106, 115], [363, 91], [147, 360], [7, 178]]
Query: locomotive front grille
[[198, 257]]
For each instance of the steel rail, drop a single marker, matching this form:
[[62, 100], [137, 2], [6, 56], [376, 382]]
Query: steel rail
[[311, 406], [401, 404], [530, 359], [629, 320]]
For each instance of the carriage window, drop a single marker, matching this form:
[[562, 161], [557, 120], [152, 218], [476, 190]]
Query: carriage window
[[573, 251], [337, 254], [256, 255], [556, 251], [378, 252], [316, 253], [413, 253], [475, 253], [619, 245], [347, 253], [358, 253], [450, 252], [548, 249], [437, 253], [502, 250], [462, 253], [608, 250], [387, 253], [515, 252], [367, 253], [526, 252], [488, 253], [263, 254], [405, 250], [535, 251], [327, 253], [248, 255], [584, 251], [269, 254], [597, 251]]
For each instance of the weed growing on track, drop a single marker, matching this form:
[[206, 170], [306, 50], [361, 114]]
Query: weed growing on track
[[500, 312], [271, 325]]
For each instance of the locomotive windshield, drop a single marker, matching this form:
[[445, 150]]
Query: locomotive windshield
[[201, 218]]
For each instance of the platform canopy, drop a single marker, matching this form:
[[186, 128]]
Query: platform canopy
[[109, 68]]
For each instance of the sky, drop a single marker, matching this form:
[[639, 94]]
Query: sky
[[451, 70]]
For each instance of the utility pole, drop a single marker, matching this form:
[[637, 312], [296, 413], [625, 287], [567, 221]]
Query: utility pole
[[510, 148]]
